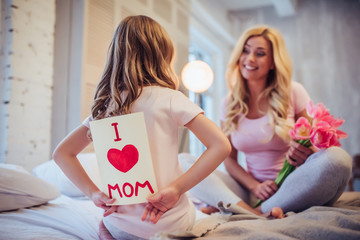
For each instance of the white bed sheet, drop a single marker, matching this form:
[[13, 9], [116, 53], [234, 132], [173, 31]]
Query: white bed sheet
[[62, 218]]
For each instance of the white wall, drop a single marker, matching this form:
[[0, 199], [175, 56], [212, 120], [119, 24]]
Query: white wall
[[26, 88], [68, 55]]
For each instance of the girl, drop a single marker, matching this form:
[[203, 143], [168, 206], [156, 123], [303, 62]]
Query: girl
[[139, 77]]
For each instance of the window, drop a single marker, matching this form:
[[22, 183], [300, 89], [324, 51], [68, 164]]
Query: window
[[204, 100]]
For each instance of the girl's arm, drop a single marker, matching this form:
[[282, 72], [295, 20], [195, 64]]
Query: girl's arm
[[217, 148], [65, 156]]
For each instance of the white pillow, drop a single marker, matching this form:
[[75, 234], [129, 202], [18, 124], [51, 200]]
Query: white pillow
[[20, 189], [52, 173]]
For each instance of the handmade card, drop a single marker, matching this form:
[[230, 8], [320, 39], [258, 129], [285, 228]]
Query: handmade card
[[123, 155]]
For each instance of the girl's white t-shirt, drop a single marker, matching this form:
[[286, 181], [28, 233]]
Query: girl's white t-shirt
[[165, 110]]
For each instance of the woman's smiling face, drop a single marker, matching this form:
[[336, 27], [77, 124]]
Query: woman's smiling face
[[256, 59]]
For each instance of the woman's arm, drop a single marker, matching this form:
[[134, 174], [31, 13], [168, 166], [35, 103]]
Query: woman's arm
[[238, 172], [65, 155], [262, 190], [217, 148]]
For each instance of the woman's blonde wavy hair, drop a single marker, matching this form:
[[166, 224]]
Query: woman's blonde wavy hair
[[276, 92], [140, 54]]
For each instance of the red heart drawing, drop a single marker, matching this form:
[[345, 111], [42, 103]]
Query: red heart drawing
[[125, 159]]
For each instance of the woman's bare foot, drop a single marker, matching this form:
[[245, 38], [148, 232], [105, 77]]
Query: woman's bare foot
[[275, 213], [209, 210], [104, 234]]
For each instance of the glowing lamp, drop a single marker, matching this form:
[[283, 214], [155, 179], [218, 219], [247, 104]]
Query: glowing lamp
[[197, 76]]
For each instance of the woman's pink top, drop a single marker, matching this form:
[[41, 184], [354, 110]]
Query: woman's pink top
[[264, 158]]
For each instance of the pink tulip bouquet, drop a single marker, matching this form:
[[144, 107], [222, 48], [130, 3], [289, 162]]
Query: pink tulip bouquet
[[321, 132]]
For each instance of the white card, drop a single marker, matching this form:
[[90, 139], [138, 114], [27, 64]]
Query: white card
[[123, 155]]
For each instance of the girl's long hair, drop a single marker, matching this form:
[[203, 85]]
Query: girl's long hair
[[140, 54], [276, 92]]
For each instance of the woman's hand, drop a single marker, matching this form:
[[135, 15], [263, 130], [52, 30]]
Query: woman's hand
[[298, 154], [160, 203], [101, 200], [265, 189]]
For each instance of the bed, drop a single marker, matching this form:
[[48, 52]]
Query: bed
[[46, 205], [62, 218], [341, 221]]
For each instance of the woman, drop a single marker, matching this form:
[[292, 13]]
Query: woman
[[262, 106]]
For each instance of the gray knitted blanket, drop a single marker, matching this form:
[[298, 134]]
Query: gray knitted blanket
[[340, 221]]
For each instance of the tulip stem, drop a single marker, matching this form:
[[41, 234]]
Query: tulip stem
[[286, 170]]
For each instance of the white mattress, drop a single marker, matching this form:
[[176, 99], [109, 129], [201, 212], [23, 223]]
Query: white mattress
[[62, 218]]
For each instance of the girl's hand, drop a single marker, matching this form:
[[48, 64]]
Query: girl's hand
[[101, 200], [298, 154], [160, 203], [265, 189]]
